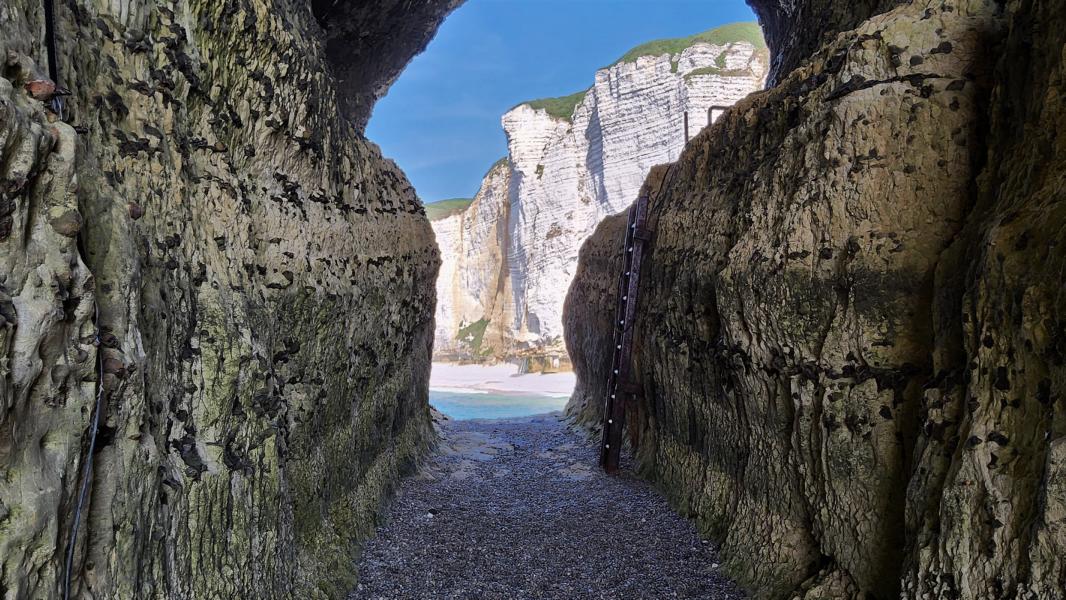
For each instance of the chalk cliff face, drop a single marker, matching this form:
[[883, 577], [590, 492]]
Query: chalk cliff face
[[571, 162], [473, 288], [261, 281], [850, 334]]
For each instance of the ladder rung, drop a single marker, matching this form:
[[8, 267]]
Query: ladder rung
[[618, 382]]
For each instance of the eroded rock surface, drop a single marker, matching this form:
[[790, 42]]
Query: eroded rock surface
[[264, 281], [850, 329], [49, 361], [796, 29], [987, 504]]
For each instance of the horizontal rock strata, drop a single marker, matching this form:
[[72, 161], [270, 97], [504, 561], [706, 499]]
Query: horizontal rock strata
[[474, 307]]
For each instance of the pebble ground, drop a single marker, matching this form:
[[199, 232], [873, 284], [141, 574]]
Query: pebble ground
[[518, 509]]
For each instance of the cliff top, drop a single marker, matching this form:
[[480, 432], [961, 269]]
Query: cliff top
[[748, 31], [563, 107], [443, 209]]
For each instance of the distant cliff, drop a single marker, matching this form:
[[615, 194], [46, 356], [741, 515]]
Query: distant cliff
[[509, 257]]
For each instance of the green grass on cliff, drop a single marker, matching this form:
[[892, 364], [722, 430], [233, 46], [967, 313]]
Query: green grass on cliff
[[446, 208], [719, 36], [473, 335], [561, 108], [713, 70]]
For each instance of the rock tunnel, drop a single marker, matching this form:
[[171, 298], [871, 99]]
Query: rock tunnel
[[853, 381]]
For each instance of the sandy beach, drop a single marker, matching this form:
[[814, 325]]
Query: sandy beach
[[498, 378]]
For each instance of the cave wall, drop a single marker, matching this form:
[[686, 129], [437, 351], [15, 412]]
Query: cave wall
[[265, 287], [46, 335], [850, 331], [986, 509], [369, 43], [796, 29]]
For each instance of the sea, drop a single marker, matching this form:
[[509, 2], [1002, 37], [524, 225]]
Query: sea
[[462, 405]]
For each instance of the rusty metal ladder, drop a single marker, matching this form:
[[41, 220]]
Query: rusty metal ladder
[[620, 385]]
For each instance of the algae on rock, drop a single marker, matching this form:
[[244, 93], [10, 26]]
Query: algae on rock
[[850, 353], [264, 280]]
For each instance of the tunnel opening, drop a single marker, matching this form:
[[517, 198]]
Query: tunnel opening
[[516, 493], [508, 256], [509, 251], [731, 356], [846, 358]]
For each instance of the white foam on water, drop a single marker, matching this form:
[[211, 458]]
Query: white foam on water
[[502, 378]]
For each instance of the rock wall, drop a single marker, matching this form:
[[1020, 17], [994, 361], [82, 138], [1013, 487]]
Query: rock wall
[[263, 280], [851, 323], [474, 285], [569, 168], [46, 335], [589, 313], [797, 29], [986, 507]]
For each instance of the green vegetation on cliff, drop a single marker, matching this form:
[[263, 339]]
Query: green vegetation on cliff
[[726, 34], [503, 161], [446, 208], [473, 335], [561, 108]]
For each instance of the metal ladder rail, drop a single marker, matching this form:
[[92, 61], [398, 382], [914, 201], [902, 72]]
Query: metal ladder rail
[[616, 351], [619, 383]]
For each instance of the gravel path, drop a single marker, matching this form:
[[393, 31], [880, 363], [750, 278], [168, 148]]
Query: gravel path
[[518, 509]]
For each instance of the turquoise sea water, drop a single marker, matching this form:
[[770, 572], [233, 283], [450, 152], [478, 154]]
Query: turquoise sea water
[[461, 405]]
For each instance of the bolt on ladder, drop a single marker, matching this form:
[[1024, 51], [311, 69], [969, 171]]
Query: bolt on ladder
[[620, 385]]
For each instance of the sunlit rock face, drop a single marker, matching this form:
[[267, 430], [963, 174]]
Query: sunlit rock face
[[264, 283], [850, 335], [473, 288], [570, 164]]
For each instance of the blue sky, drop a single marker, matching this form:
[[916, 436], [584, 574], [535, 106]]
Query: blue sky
[[441, 120]]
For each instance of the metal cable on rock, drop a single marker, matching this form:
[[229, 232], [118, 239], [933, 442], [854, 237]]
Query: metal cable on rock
[[94, 426]]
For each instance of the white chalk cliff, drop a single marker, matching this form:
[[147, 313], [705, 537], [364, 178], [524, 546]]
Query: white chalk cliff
[[509, 257]]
